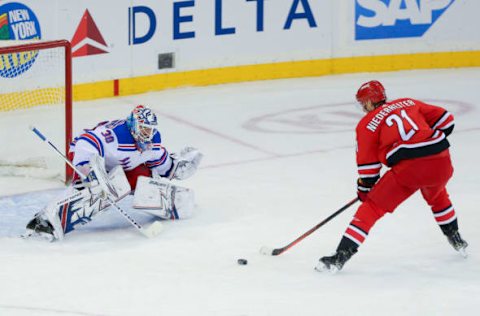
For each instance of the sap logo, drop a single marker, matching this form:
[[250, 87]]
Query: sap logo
[[17, 22], [377, 19], [87, 39]]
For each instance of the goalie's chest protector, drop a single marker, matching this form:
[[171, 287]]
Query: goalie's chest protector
[[121, 148]]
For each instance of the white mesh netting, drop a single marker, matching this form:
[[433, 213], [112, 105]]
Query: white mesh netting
[[32, 93]]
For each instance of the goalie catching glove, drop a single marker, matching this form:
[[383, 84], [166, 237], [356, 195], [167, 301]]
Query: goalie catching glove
[[185, 163]]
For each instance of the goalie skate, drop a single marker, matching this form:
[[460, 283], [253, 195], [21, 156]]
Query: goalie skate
[[39, 228]]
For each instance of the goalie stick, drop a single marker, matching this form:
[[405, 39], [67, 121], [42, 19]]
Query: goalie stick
[[151, 231], [277, 251]]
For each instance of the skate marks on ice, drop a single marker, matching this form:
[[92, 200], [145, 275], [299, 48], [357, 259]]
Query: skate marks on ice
[[18, 209], [31, 310], [34, 167]]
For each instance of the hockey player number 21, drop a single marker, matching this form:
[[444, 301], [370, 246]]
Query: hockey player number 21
[[401, 127]]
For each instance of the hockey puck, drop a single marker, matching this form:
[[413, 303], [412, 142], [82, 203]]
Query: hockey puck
[[242, 262]]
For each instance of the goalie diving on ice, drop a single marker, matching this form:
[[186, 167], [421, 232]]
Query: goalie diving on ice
[[111, 161]]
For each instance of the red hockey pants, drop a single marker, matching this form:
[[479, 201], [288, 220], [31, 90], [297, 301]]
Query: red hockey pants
[[132, 175], [428, 174]]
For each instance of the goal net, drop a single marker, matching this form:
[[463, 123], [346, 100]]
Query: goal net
[[35, 90]]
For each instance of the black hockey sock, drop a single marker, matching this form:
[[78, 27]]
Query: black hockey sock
[[450, 228], [347, 244]]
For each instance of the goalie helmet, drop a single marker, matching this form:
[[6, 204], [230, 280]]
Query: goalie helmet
[[142, 123], [371, 91]]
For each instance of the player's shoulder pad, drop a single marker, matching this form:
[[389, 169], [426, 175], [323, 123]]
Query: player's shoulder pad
[[157, 138], [122, 133], [364, 121], [157, 142]]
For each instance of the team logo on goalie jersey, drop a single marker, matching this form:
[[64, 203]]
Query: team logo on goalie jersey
[[17, 22]]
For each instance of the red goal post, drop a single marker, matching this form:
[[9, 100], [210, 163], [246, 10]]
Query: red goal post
[[35, 89]]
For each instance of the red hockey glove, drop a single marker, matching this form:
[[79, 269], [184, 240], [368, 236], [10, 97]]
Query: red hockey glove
[[363, 187]]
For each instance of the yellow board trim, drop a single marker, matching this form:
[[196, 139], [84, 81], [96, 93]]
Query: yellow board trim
[[283, 70]]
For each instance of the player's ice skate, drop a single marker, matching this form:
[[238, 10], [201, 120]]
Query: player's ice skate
[[335, 262], [460, 245], [326, 266]]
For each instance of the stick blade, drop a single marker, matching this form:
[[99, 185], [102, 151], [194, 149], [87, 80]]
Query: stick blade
[[153, 230], [267, 251]]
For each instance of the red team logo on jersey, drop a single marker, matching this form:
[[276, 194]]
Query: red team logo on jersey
[[87, 39]]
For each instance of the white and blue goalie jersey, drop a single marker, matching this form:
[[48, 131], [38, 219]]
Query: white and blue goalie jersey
[[114, 142]]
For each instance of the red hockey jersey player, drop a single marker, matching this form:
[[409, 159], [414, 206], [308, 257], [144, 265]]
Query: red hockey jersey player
[[410, 137]]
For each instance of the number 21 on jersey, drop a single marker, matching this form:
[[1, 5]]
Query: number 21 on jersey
[[398, 120]]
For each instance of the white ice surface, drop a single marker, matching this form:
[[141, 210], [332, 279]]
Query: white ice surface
[[279, 158]]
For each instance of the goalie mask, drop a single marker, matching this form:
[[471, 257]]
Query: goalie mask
[[142, 123]]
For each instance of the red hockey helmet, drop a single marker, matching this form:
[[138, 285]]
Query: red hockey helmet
[[373, 91]]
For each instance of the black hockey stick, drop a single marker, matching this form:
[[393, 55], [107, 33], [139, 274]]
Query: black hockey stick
[[277, 251]]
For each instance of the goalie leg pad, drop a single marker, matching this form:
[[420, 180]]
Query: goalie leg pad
[[163, 199], [63, 214], [80, 203], [183, 202]]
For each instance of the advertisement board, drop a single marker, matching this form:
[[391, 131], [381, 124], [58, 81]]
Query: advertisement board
[[142, 42]]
